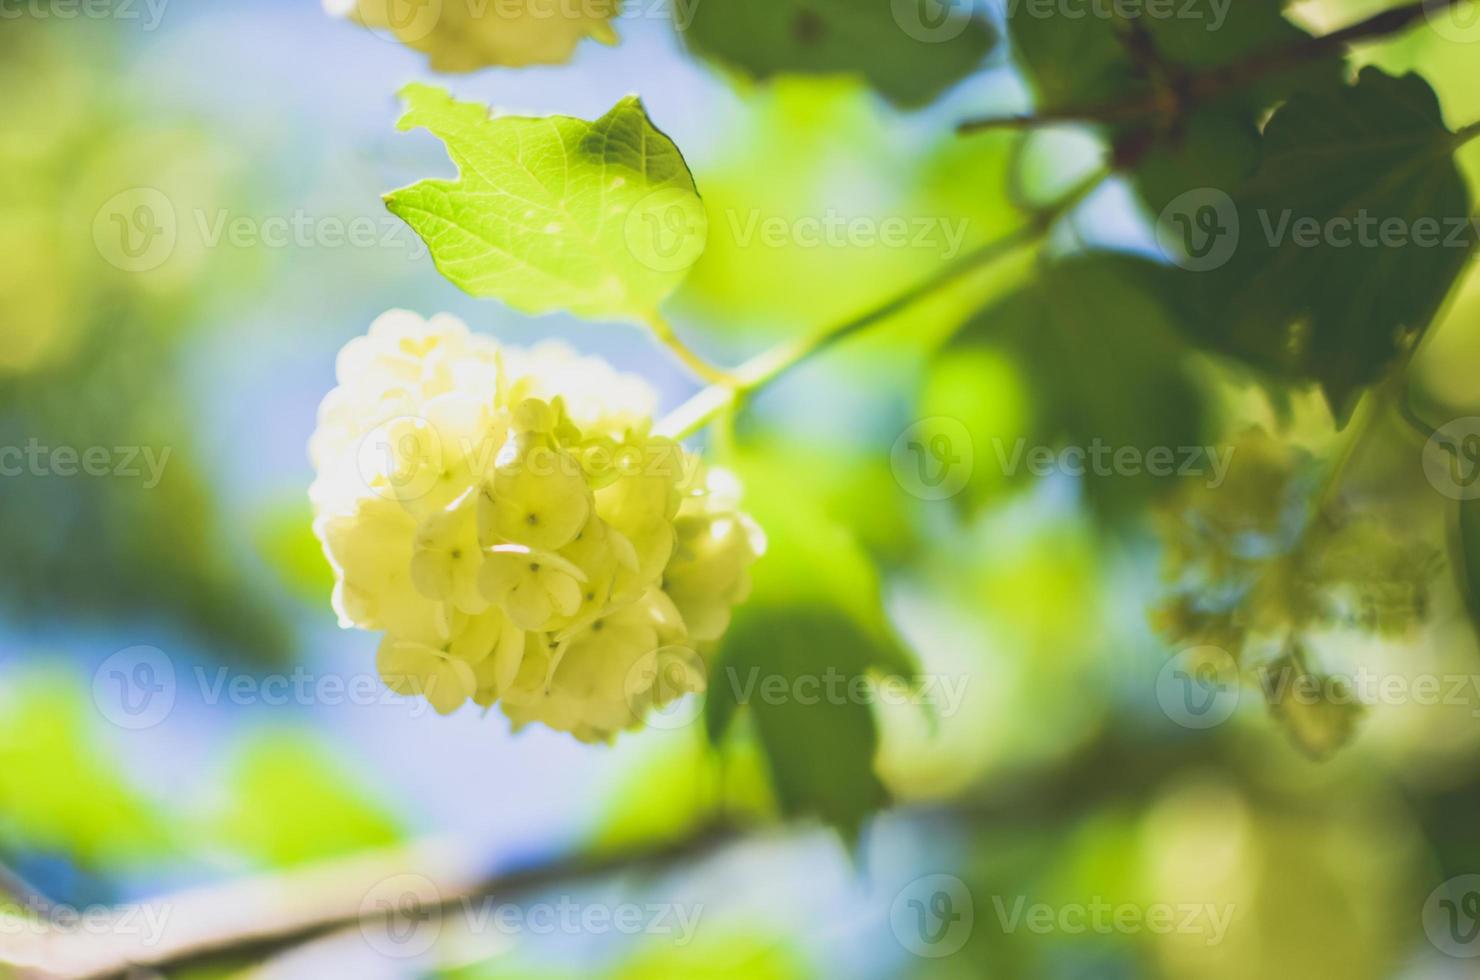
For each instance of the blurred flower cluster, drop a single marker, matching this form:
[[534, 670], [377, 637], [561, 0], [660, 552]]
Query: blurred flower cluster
[[505, 517]]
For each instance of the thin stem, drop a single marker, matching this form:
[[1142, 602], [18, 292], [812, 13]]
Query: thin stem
[[768, 366], [706, 372], [1213, 82]]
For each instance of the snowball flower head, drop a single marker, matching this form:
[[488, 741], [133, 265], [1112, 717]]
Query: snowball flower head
[[507, 520]]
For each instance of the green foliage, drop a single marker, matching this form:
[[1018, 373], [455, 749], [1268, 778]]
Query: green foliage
[[60, 792], [800, 653], [800, 672], [1093, 62], [1319, 713], [909, 50], [1097, 343], [290, 803], [1465, 556], [1332, 306], [555, 213]]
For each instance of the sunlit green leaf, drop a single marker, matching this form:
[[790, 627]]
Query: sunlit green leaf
[[555, 213], [290, 803]]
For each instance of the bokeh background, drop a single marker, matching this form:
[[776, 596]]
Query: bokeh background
[[1059, 780]]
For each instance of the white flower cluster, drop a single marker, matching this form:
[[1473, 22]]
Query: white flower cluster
[[505, 517]]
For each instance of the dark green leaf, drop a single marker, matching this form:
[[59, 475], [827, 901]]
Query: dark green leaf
[[1098, 347], [1466, 558], [1333, 302], [813, 624], [1089, 57], [909, 50], [800, 671]]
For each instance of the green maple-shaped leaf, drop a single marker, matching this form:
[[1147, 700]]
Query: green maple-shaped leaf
[[555, 213], [909, 50], [1307, 290]]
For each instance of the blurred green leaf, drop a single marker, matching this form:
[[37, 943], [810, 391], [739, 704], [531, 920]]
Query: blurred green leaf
[[285, 540], [290, 803], [1319, 713], [555, 213], [735, 956], [1098, 348], [59, 790], [806, 161], [145, 535], [800, 651], [909, 50], [818, 735], [1465, 557]]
